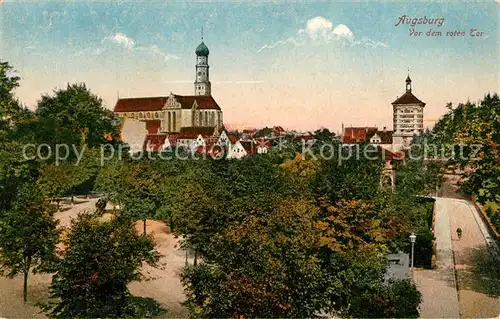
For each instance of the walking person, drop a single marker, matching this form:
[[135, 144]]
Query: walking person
[[459, 233]]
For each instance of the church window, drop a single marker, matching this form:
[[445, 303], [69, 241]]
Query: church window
[[140, 115], [148, 115], [175, 122], [169, 121]]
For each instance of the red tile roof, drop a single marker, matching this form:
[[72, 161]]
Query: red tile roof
[[203, 130], [408, 98], [263, 142], [232, 138], [193, 132], [155, 141], [354, 135], [385, 136], [138, 104], [249, 146], [153, 126], [389, 156]]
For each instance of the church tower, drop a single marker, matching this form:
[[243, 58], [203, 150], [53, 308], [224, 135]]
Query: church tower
[[202, 84]]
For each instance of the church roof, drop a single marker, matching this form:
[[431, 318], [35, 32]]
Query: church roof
[[408, 98], [202, 50], [138, 104]]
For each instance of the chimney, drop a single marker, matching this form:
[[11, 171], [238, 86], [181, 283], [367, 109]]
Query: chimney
[[384, 128]]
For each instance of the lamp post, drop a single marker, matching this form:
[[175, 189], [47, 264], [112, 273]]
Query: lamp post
[[413, 238]]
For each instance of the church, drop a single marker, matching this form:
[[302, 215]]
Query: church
[[174, 119]]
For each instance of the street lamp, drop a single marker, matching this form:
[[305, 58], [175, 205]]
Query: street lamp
[[413, 238]]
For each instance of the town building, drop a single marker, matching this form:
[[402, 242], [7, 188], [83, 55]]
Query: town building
[[177, 119], [408, 117]]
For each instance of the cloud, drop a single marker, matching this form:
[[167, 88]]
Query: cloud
[[129, 44], [318, 27], [320, 30], [123, 40], [343, 31], [154, 50], [277, 43]]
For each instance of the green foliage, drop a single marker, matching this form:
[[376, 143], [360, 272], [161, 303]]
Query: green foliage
[[413, 177], [396, 299], [75, 116], [469, 124], [493, 212], [100, 259], [28, 235], [356, 177], [134, 185], [269, 271], [9, 107], [264, 132]]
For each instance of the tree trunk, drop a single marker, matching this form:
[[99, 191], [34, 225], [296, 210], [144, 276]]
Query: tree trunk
[[195, 257], [25, 287], [72, 200], [144, 220], [27, 265]]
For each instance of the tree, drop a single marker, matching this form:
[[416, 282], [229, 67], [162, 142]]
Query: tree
[[28, 235], [463, 129], [194, 217], [324, 135], [100, 259], [75, 116], [9, 106], [264, 132], [265, 267], [141, 192], [349, 175]]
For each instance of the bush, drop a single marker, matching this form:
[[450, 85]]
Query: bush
[[396, 299], [493, 213]]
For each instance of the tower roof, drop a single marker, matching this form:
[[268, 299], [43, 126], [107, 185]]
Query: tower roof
[[202, 50], [408, 80], [408, 98]]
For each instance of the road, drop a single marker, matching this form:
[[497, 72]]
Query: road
[[466, 281]]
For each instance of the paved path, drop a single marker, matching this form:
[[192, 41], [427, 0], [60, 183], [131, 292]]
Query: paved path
[[162, 284], [478, 275], [466, 264], [438, 287]]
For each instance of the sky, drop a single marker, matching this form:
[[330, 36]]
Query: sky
[[301, 65]]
